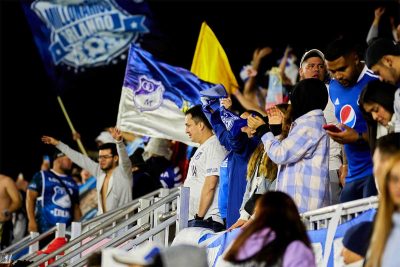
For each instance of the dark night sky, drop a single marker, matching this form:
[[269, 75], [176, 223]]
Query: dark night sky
[[29, 109]]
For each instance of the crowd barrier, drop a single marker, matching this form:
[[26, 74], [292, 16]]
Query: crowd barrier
[[325, 227], [156, 216]]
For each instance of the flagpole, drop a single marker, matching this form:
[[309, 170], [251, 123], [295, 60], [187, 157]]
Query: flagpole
[[78, 140]]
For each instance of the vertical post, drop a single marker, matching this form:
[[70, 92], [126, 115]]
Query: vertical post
[[60, 232], [144, 203], [183, 209], [35, 246], [76, 230]]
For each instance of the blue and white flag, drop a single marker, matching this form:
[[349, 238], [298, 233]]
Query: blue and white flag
[[153, 96], [81, 34], [232, 122]]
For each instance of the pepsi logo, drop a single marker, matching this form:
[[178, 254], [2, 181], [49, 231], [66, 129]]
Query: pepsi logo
[[348, 116]]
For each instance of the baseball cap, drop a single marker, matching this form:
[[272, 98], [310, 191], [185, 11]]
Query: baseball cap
[[357, 238], [378, 48], [170, 256], [142, 255], [58, 154], [312, 53]]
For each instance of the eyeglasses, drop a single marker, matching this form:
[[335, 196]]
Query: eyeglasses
[[105, 157], [311, 66]]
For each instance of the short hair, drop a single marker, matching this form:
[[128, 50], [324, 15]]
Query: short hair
[[340, 47], [110, 146], [198, 115], [389, 144], [379, 48]]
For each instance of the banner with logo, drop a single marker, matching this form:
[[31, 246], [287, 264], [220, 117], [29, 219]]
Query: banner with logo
[[154, 95], [73, 36]]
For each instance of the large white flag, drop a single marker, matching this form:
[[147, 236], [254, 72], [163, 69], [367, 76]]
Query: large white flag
[[154, 95]]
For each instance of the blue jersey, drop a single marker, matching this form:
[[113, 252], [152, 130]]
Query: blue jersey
[[347, 111], [53, 205]]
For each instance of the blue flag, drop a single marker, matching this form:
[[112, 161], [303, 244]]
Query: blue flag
[[154, 95], [232, 122], [210, 97], [76, 35]]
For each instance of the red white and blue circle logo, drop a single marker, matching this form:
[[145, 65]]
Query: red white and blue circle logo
[[348, 116]]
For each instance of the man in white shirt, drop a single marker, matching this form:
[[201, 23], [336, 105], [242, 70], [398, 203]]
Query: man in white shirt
[[203, 173]]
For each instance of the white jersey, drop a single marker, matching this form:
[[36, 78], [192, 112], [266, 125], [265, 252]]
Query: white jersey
[[335, 149], [205, 162]]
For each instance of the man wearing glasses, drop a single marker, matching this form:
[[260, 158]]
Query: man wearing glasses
[[113, 171]]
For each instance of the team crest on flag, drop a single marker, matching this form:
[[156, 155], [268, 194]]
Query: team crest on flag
[[148, 95], [86, 32], [228, 119]]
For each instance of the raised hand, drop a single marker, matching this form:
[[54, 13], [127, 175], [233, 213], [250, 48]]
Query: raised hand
[[226, 102], [275, 116], [48, 140], [254, 122], [116, 134], [379, 12]]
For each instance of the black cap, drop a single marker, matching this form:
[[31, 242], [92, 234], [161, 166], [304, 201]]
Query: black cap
[[378, 48], [357, 238], [58, 154]]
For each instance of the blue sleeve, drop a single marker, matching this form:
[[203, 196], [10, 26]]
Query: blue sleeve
[[36, 183], [230, 142]]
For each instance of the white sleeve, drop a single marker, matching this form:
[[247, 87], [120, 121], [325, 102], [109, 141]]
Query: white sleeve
[[397, 111], [214, 157]]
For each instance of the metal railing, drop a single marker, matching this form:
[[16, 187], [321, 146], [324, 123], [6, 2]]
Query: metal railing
[[153, 221], [320, 218], [32, 240]]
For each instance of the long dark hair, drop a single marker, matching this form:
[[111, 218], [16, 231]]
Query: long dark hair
[[277, 211], [376, 92]]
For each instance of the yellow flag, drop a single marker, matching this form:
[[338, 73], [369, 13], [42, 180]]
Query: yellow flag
[[210, 62]]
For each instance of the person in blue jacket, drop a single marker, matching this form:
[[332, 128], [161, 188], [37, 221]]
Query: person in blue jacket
[[233, 133]]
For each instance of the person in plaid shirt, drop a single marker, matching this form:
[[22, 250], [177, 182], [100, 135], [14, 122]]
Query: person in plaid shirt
[[303, 155]]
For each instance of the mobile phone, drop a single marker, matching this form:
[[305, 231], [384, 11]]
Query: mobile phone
[[332, 128]]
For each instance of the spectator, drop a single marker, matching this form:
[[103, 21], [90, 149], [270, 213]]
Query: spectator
[[276, 237], [203, 174], [355, 244], [374, 29], [20, 218], [157, 156], [52, 196], [386, 147], [383, 58], [303, 155], [385, 242], [261, 177], [10, 201], [113, 172], [349, 76], [312, 65], [376, 104], [241, 145], [143, 182]]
